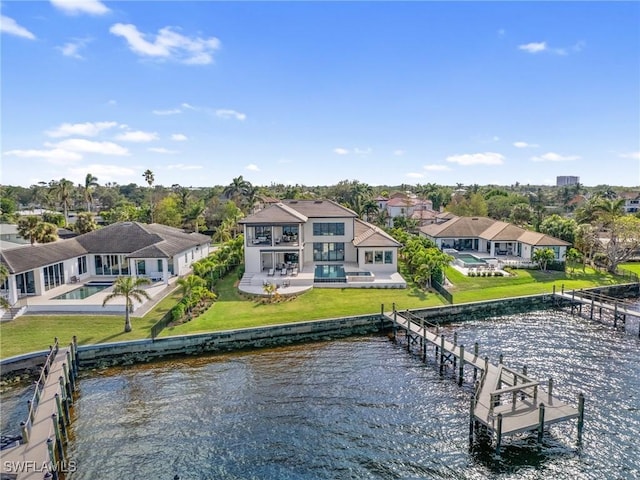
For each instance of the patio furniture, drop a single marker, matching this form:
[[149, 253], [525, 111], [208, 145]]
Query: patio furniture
[[294, 272], [271, 272], [283, 272], [73, 279], [286, 283]]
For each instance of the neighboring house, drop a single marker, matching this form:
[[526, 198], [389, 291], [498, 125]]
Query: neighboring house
[[9, 237], [485, 235], [124, 248], [631, 201], [406, 205], [566, 180], [308, 233]]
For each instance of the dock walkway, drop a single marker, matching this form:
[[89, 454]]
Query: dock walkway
[[506, 402], [40, 455]]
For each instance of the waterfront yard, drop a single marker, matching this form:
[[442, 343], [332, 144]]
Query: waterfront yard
[[233, 310]]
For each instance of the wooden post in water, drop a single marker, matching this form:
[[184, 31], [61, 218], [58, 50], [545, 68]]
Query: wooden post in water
[[60, 415], [30, 411], [580, 416], [550, 389], [472, 406], [52, 453], [70, 368], [25, 432], [501, 358], [461, 368], [441, 352], [424, 343], [69, 391], [56, 428], [591, 314], [395, 322], [499, 432], [540, 422]]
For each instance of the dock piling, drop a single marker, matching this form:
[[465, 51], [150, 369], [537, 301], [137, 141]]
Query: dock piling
[[550, 390], [472, 406], [461, 367], [580, 416], [540, 422], [25, 432], [499, 433]]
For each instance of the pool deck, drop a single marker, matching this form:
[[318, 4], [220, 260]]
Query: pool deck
[[253, 283], [47, 304]]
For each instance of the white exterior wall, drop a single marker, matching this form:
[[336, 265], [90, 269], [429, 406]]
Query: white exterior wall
[[378, 267], [252, 262], [347, 238]]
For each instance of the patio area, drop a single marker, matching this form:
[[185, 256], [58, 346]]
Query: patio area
[[292, 281], [488, 265], [86, 297]]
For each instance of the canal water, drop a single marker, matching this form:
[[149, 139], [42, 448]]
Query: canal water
[[359, 408]]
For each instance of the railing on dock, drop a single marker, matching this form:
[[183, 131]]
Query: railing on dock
[[504, 402]]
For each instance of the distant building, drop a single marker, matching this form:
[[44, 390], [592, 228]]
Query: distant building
[[564, 181], [631, 201]]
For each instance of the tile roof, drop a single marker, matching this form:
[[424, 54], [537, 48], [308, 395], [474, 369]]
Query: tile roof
[[367, 235], [276, 213], [159, 241], [459, 227], [320, 208]]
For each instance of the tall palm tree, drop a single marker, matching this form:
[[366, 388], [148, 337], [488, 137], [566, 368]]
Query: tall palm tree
[[90, 182], [149, 178], [129, 288], [62, 191], [237, 189], [46, 232], [608, 209], [28, 228]]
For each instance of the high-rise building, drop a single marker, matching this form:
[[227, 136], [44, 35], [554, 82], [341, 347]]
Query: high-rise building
[[563, 181]]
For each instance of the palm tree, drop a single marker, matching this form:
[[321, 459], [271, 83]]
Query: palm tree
[[90, 182], [62, 191], [129, 288], [194, 213], [149, 178], [237, 189], [46, 232], [28, 228], [85, 223], [608, 209], [369, 209], [187, 286]]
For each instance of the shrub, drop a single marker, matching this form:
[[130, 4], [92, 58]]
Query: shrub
[[177, 312]]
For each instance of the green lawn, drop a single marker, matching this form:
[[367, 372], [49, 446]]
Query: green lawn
[[631, 266], [36, 332], [233, 310], [527, 282]]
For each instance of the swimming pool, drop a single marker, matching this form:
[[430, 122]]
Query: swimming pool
[[329, 273], [467, 260], [82, 292]]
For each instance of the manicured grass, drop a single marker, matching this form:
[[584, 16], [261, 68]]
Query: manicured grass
[[233, 310], [631, 266], [36, 332], [527, 282]]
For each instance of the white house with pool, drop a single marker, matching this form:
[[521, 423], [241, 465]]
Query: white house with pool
[[299, 244], [476, 242], [75, 274]]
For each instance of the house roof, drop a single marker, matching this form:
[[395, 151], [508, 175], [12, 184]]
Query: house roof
[[136, 239], [367, 235], [276, 213], [320, 208], [489, 229], [28, 257]]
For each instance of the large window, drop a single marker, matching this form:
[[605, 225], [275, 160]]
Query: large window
[[82, 265], [53, 276], [111, 265], [141, 267], [25, 282], [321, 229], [328, 252], [378, 256]]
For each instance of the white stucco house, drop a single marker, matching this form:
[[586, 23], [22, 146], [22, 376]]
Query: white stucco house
[[125, 248], [492, 237], [317, 242]]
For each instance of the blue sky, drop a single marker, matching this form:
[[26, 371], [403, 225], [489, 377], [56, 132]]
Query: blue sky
[[314, 93]]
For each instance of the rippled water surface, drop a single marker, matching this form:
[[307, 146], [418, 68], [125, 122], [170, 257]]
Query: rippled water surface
[[359, 408]]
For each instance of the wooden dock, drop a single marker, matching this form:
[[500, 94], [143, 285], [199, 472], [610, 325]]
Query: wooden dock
[[41, 454], [596, 304], [505, 402]]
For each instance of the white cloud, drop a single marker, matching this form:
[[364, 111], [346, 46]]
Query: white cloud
[[87, 146], [341, 151], [57, 156], [501, 33], [362, 151], [633, 155], [10, 26], [399, 152], [87, 129], [284, 161], [537, 47], [75, 7], [555, 157], [137, 136], [164, 151], [436, 168], [112, 102], [525, 145], [71, 49], [252, 167], [104, 172], [168, 44], [487, 158], [179, 137], [182, 166], [533, 47], [173, 111], [415, 175], [223, 113], [188, 107]]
